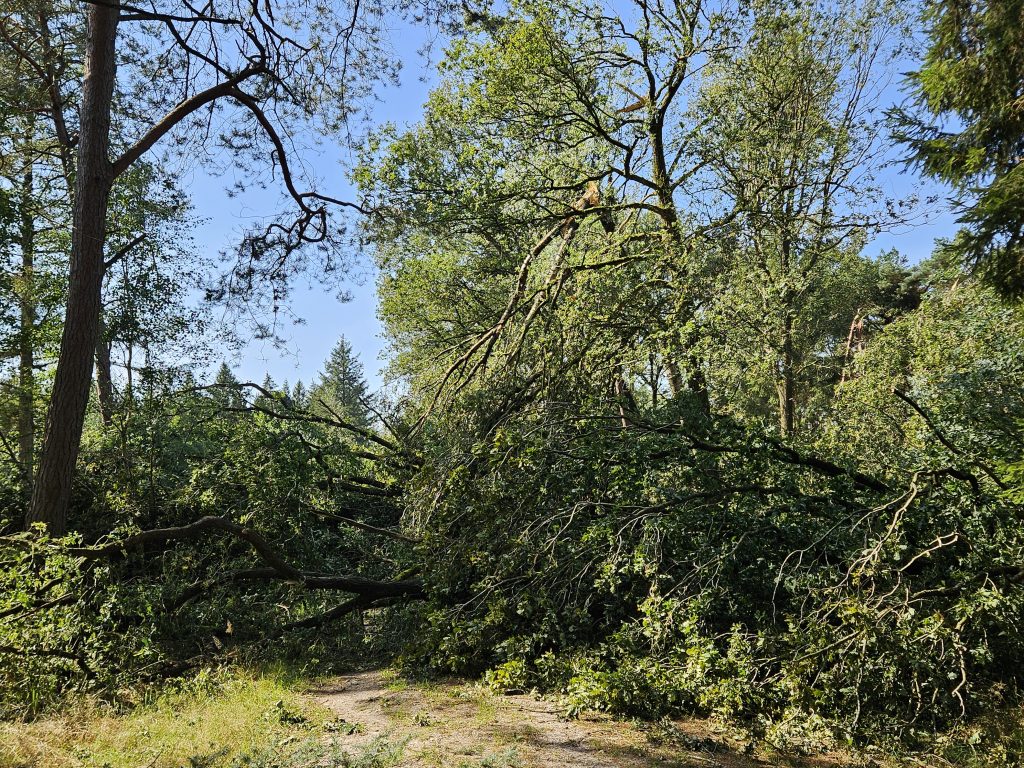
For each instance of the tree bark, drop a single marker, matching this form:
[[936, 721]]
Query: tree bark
[[623, 398], [26, 331], [70, 396]]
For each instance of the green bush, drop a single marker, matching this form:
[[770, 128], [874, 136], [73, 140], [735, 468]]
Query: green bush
[[70, 626], [509, 677]]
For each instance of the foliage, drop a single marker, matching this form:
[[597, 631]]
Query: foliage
[[688, 447], [966, 128], [115, 625], [669, 436], [342, 390], [687, 586], [509, 677], [64, 630]]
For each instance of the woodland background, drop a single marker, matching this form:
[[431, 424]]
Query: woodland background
[[658, 435]]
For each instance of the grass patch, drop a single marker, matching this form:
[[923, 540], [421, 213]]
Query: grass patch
[[508, 758], [215, 719], [393, 681]]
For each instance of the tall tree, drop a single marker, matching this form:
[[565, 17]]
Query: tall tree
[[227, 388], [966, 128], [560, 143], [27, 312], [341, 387], [275, 67], [792, 138], [32, 251], [93, 179], [149, 272]]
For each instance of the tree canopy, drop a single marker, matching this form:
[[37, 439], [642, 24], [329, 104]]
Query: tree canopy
[[965, 128], [667, 426]]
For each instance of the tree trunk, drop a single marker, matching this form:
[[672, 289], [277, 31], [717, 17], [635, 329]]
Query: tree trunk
[[675, 378], [670, 217], [26, 331], [697, 382], [623, 398], [70, 395], [104, 381]]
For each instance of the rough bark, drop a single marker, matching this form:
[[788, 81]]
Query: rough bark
[[675, 378], [70, 394]]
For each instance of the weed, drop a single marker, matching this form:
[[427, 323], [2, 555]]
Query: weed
[[508, 758]]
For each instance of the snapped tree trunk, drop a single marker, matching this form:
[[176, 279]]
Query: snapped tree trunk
[[27, 328], [70, 395]]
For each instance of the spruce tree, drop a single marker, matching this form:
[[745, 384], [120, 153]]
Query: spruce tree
[[227, 392], [342, 387], [967, 129]]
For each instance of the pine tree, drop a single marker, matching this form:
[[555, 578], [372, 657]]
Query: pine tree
[[225, 378], [342, 387], [967, 129], [299, 395], [227, 392]]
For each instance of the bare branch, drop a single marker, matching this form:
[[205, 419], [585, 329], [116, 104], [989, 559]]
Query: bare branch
[[179, 113], [123, 251]]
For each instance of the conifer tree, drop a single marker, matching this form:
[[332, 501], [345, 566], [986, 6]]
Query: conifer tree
[[967, 129], [342, 387], [227, 392]]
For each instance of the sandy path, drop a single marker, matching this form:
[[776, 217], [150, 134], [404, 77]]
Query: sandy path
[[464, 726], [449, 725]]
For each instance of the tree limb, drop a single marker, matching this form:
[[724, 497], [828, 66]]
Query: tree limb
[[179, 113]]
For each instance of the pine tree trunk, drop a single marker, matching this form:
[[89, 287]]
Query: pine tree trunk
[[70, 396]]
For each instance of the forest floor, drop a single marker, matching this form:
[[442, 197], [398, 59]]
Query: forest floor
[[461, 725], [278, 718]]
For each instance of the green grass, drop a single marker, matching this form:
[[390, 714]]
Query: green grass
[[262, 719], [216, 719], [508, 758]]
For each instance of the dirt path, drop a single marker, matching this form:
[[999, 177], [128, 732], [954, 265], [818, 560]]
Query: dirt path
[[464, 726]]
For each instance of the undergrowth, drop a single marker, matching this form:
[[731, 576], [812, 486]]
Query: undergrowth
[[220, 718]]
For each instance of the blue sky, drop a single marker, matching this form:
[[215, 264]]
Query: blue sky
[[317, 315], [323, 317]]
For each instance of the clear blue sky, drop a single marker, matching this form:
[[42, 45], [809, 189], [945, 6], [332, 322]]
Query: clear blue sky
[[323, 317]]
